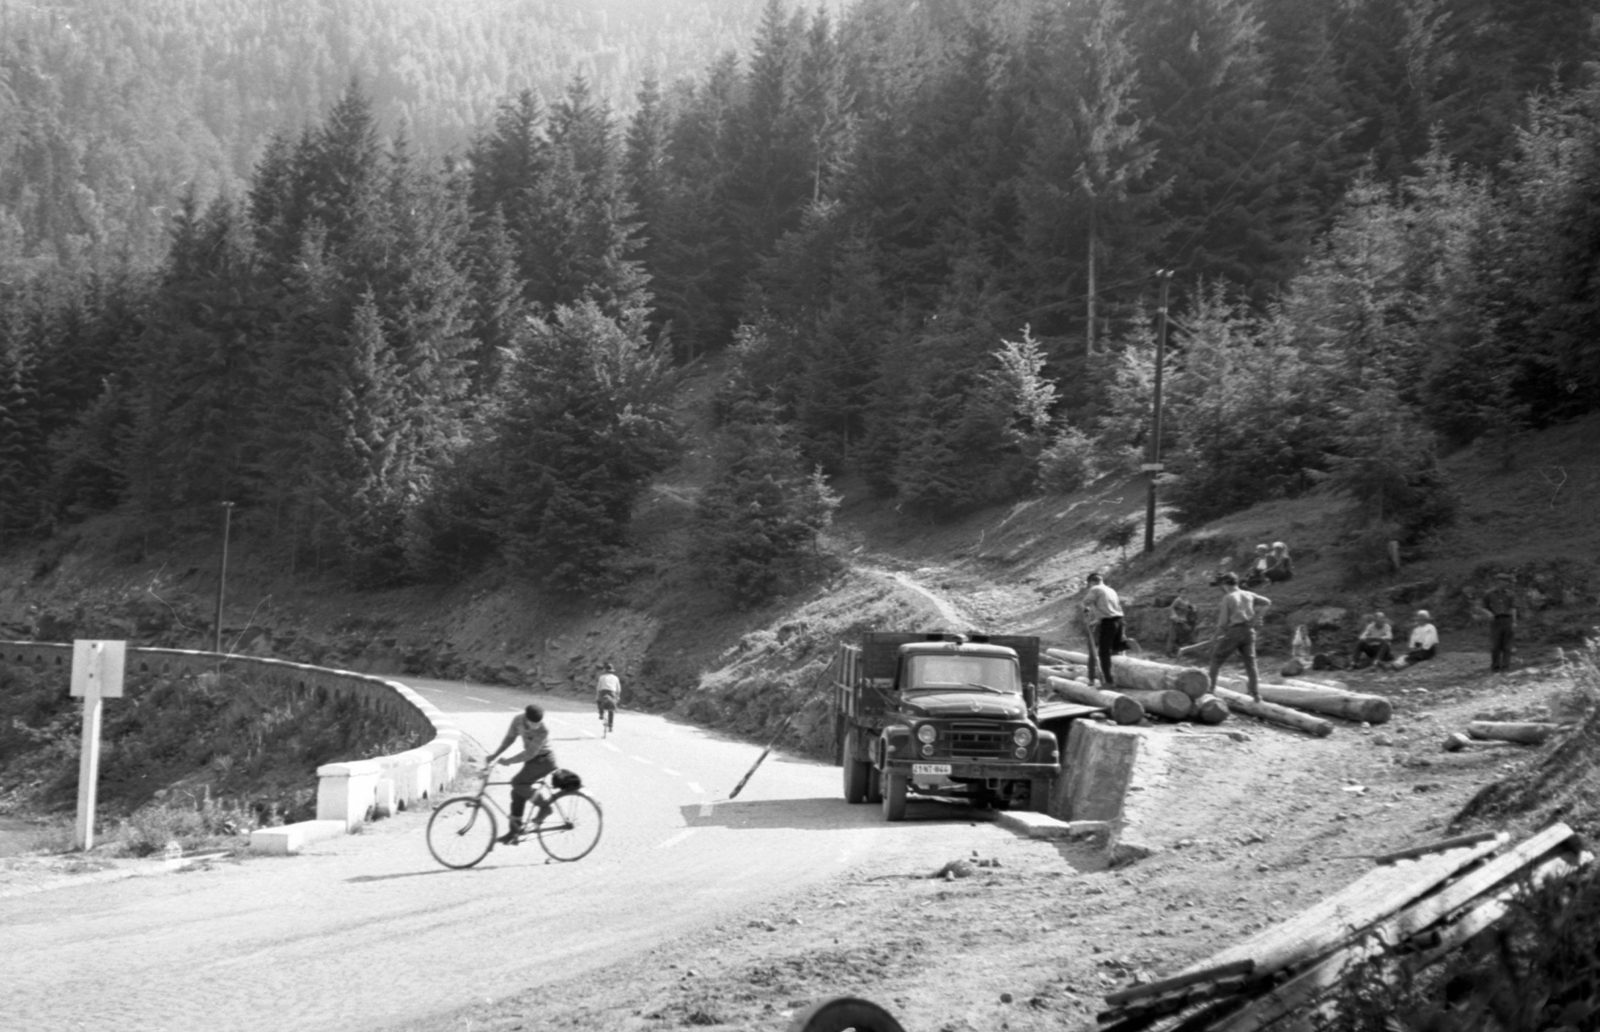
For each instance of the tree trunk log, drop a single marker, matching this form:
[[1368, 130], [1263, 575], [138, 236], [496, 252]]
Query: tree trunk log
[[1151, 676], [1068, 656], [1123, 710], [1165, 702], [1208, 709], [1242, 703], [1527, 734], [1374, 709], [1459, 741]]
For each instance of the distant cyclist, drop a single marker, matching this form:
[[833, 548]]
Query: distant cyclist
[[607, 690], [537, 764]]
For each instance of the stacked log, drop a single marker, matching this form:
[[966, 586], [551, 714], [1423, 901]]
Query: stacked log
[[1409, 910], [1122, 709], [1334, 702], [1521, 733], [1275, 713]]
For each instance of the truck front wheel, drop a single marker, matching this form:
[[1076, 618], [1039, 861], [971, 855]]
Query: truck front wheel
[[894, 795], [857, 773]]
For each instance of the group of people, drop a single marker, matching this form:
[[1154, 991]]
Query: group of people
[[1270, 565], [1239, 616], [1374, 646]]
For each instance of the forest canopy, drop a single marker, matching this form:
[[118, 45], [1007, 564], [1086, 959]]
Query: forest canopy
[[416, 291]]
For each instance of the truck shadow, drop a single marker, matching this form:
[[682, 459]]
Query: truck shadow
[[822, 813]]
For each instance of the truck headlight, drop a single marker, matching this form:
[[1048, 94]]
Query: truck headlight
[[927, 733], [1022, 736]]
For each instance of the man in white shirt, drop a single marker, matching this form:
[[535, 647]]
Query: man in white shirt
[[1424, 643], [1237, 618], [607, 690], [1102, 614]]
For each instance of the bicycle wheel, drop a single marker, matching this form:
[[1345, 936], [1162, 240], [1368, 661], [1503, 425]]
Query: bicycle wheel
[[572, 827], [461, 832]]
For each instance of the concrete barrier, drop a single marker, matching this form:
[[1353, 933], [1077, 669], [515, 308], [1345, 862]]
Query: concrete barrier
[[347, 793], [288, 839], [1108, 770]]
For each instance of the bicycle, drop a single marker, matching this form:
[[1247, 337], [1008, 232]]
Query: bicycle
[[608, 714], [463, 829]]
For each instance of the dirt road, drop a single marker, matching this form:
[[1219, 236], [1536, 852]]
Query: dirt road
[[367, 931]]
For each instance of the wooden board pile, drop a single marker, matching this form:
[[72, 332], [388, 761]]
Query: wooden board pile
[[1407, 913], [1141, 687]]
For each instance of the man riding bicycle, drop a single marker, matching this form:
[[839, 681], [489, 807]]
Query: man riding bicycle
[[537, 764], [607, 690]]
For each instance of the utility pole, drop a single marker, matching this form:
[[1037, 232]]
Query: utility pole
[[1153, 467], [222, 573]]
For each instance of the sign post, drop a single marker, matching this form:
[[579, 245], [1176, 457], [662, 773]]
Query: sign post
[[96, 674]]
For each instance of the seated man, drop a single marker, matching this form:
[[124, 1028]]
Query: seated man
[[1373, 645], [1257, 573], [1280, 567], [1424, 643]]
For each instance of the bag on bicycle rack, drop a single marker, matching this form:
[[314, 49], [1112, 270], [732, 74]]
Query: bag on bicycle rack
[[564, 780]]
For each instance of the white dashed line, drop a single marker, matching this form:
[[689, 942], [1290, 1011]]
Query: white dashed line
[[705, 809], [694, 786], [674, 840], [670, 772], [474, 698], [641, 759]]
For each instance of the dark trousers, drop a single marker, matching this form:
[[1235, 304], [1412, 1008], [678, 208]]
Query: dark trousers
[[1108, 639], [1240, 638], [1418, 655], [522, 785], [1501, 632]]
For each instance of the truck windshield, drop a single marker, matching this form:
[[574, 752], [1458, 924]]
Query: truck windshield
[[996, 672]]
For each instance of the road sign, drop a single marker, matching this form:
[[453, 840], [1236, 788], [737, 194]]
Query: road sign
[[97, 668]]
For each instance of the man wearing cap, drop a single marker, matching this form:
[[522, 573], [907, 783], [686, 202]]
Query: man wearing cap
[[1237, 618], [1424, 643], [1501, 603]]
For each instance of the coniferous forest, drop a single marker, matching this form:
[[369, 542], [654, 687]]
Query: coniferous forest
[[316, 263]]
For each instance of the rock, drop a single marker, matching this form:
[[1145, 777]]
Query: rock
[[1005, 997], [1127, 851]]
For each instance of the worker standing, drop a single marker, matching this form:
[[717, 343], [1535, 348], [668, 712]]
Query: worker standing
[[1102, 611], [1501, 603]]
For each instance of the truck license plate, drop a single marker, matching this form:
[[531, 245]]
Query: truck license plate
[[930, 768]]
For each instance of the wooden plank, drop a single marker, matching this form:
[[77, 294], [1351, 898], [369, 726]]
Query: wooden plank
[[1311, 984], [1162, 986], [1458, 741], [1434, 847], [1175, 1000], [1242, 703], [1375, 895]]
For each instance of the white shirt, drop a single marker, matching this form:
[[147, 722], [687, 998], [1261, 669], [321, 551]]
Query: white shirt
[[609, 683], [1423, 636], [1101, 603]]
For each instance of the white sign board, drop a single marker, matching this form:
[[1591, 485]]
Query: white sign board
[[96, 675]]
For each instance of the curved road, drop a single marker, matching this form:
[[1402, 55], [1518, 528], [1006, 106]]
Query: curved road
[[368, 932]]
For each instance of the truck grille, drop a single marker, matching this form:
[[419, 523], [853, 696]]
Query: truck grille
[[982, 740]]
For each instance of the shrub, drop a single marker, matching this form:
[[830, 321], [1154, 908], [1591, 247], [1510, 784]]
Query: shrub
[[1068, 464]]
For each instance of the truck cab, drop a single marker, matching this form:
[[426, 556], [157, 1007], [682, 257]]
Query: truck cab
[[943, 714]]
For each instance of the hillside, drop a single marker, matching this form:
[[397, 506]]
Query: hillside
[[680, 646]]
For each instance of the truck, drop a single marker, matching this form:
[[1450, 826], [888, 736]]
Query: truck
[[942, 714]]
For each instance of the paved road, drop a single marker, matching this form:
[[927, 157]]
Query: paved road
[[368, 932]]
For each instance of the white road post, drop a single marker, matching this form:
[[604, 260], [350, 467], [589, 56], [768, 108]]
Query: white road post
[[96, 674]]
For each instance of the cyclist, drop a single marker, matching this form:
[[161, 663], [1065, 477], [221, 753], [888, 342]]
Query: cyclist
[[607, 690], [537, 764]]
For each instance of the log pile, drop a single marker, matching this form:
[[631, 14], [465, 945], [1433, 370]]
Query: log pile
[[1155, 686], [1408, 912], [1489, 734]]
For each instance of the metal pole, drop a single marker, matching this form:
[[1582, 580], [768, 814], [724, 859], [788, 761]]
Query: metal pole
[[1153, 467], [222, 574]]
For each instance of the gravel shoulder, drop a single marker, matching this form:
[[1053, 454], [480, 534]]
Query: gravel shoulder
[[1249, 833]]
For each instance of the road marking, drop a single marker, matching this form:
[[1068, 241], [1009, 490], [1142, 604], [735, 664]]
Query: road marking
[[705, 809], [608, 745], [641, 759], [474, 698], [669, 771], [694, 786], [674, 840]]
